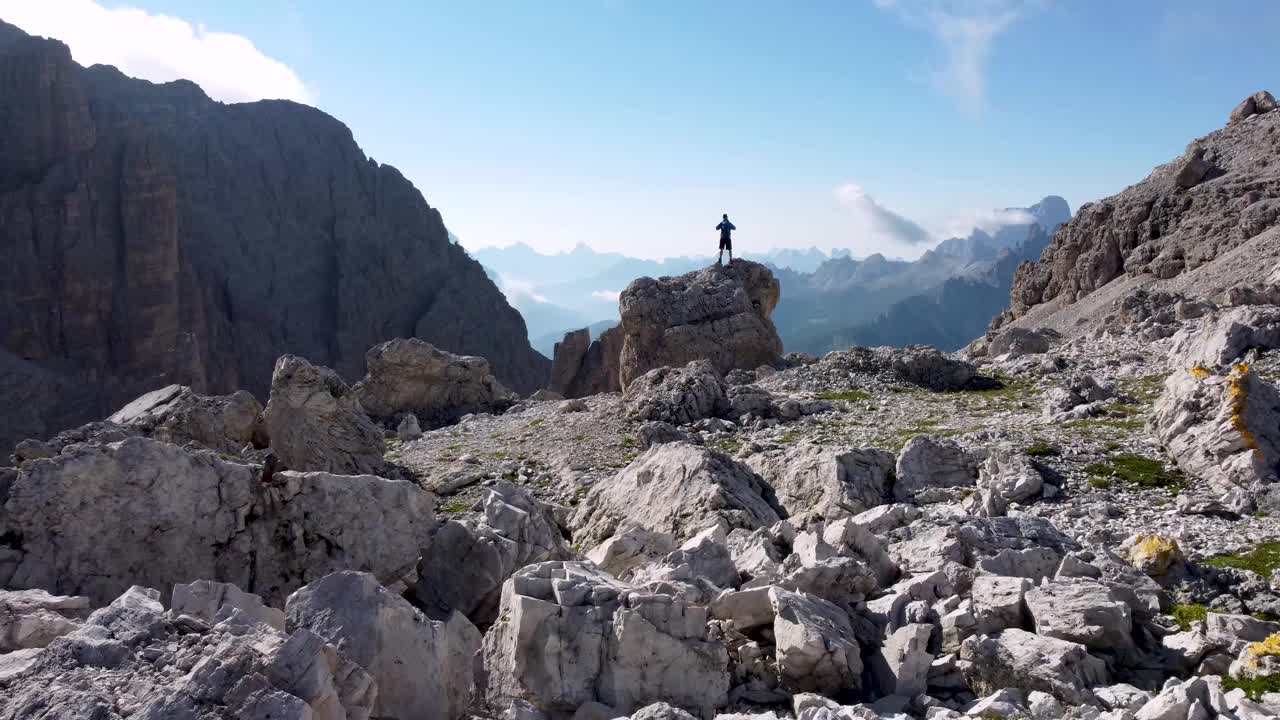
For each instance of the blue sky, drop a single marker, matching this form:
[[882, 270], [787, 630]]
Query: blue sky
[[630, 126]]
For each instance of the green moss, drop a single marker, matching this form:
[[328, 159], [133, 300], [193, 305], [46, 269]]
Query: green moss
[[1262, 559], [728, 446], [1112, 446], [1100, 483], [630, 442], [455, 506], [789, 437], [1138, 470], [847, 395], [1254, 688], [1040, 448], [626, 459], [536, 423], [1184, 615]]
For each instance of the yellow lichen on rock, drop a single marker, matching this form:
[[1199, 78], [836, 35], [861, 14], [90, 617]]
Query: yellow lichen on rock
[[1239, 396], [1200, 372], [1154, 554], [1266, 648]]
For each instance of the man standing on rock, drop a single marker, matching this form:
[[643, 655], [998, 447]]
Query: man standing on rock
[[726, 242]]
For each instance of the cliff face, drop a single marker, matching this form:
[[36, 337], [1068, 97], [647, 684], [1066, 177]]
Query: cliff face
[[154, 236], [1223, 191]]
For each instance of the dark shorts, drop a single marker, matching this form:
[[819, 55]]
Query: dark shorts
[[726, 244]]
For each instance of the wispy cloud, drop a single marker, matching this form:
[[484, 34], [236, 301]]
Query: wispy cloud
[[875, 225], [966, 30], [160, 48], [988, 221], [519, 292], [607, 295]]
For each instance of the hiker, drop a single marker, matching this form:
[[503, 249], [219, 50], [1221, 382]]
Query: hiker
[[726, 242]]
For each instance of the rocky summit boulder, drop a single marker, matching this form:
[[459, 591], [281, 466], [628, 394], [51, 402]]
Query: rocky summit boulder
[[583, 366], [179, 415], [720, 314], [132, 659], [569, 634], [317, 423], [678, 489], [97, 519], [814, 482], [677, 395], [1256, 104], [438, 387], [1222, 429], [423, 668]]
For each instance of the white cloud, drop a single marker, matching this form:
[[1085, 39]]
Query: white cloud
[[966, 29], [876, 226], [606, 295], [988, 221], [159, 48], [518, 291]]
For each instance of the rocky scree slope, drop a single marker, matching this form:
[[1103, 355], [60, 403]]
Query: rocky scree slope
[[155, 236], [1223, 192]]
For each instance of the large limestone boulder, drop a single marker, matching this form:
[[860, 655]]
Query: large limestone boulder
[[179, 415], [423, 668], [927, 463], [1083, 611], [464, 564], [97, 519], [1226, 336], [919, 365], [203, 599], [677, 489], [1016, 342], [131, 659], [34, 618], [1222, 429], [678, 396], [317, 423], [569, 634], [720, 314], [820, 483], [1256, 104], [413, 376], [1019, 659], [817, 650], [1005, 477]]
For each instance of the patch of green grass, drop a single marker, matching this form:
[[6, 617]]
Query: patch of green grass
[[630, 442], [1144, 389], [728, 446], [1184, 615], [455, 506], [1262, 559], [1040, 448], [1138, 470], [536, 423], [789, 437], [626, 459], [1099, 483], [1254, 688], [1112, 446], [847, 395]]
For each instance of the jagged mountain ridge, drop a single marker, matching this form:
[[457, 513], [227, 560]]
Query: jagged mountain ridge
[[156, 236]]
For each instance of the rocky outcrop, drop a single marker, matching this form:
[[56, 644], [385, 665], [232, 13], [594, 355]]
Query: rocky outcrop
[[412, 376], [583, 366], [34, 618], [719, 314], [132, 659], [915, 365], [423, 668], [1256, 104], [1226, 336], [678, 396], [97, 519], [1183, 215], [464, 564], [317, 423], [677, 489], [155, 237], [177, 414], [570, 634], [815, 483], [1221, 429]]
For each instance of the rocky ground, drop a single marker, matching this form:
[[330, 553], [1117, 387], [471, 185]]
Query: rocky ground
[[1064, 521]]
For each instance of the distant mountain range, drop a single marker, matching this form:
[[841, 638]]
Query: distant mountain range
[[944, 298]]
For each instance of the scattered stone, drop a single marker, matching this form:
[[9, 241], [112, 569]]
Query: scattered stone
[[177, 414]]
